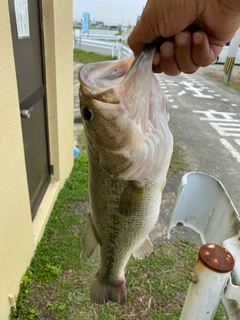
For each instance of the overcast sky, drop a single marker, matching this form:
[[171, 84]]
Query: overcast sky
[[109, 11]]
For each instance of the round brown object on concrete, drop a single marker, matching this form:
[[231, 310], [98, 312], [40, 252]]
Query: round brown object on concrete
[[216, 258]]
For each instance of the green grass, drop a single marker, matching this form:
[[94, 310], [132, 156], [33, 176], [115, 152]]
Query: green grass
[[57, 282], [178, 164], [88, 57], [233, 85]]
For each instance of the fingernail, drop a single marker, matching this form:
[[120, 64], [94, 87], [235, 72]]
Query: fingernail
[[156, 59], [181, 38], [167, 49], [197, 38]]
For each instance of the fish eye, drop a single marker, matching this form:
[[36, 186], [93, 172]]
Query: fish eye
[[87, 114]]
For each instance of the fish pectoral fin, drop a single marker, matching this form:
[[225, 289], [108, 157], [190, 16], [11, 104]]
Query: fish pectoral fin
[[90, 238], [144, 250]]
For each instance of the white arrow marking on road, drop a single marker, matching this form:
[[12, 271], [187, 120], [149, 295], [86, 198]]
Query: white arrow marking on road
[[231, 149]]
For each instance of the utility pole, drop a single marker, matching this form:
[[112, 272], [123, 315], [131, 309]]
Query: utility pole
[[232, 52]]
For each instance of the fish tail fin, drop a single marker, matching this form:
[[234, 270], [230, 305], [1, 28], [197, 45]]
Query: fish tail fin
[[102, 292]]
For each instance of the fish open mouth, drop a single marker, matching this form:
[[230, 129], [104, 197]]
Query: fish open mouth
[[127, 93], [103, 75]]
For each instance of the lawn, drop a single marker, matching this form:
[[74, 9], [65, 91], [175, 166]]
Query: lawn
[[233, 83], [88, 57]]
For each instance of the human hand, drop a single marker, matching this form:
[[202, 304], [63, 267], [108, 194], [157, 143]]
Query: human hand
[[189, 34]]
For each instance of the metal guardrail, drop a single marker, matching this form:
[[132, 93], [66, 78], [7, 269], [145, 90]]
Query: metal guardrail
[[101, 36], [112, 43]]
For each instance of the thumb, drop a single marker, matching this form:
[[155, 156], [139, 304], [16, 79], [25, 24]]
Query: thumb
[[144, 32], [161, 20]]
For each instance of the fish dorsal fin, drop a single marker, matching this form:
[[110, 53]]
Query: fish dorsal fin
[[144, 250], [90, 238]]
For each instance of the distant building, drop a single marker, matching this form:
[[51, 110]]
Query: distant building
[[113, 27], [100, 24]]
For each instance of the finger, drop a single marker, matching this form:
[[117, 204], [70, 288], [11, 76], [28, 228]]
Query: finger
[[204, 52], [156, 63], [138, 39], [168, 63], [183, 52], [146, 30]]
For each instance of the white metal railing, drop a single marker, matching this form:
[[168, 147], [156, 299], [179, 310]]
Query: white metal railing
[[110, 42], [101, 36]]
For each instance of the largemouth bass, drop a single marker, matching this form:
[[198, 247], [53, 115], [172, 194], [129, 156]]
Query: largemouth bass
[[125, 117]]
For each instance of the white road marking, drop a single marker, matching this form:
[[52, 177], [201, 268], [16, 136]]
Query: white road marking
[[237, 141], [231, 149], [226, 129], [233, 105], [181, 92], [175, 107], [213, 115], [197, 91]]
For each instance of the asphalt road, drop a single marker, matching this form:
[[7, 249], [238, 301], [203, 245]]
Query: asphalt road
[[205, 119]]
